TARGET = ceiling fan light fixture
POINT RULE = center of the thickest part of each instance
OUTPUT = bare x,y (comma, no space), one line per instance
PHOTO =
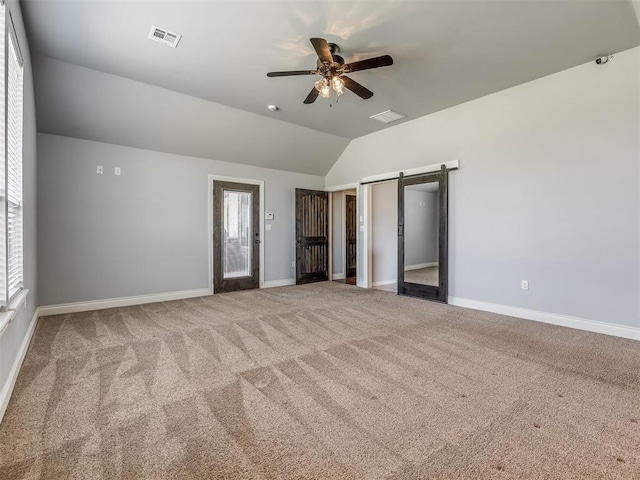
338,84
331,67
323,87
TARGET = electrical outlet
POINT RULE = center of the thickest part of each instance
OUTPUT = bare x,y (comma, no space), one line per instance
118,171
293,264
99,170
267,226
525,285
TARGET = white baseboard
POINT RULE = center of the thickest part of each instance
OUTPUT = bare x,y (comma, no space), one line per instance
418,266
383,282
632,333
121,302
337,276
5,395
285,282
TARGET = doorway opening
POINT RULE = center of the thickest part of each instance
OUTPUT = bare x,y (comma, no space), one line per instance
344,236
384,239
405,231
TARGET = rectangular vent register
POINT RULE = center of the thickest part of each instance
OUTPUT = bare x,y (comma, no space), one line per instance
165,37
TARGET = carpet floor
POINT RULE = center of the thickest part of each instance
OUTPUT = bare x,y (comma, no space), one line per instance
322,381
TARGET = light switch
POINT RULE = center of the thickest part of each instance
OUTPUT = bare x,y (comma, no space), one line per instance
361,219
267,226
269,216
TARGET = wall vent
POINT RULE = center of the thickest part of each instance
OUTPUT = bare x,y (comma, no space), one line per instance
387,116
164,37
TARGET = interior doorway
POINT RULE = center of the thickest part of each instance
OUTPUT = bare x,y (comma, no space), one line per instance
312,236
384,238
344,236
412,261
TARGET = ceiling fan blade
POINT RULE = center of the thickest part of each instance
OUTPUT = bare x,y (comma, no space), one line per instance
313,94
291,72
322,49
356,88
383,61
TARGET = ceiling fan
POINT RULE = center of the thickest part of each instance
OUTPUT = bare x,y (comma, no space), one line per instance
333,70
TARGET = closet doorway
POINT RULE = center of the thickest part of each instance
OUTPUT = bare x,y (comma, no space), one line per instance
344,236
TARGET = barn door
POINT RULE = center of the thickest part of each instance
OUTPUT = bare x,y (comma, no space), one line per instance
312,231
351,225
423,235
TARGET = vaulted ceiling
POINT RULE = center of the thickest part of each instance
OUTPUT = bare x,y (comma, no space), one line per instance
214,84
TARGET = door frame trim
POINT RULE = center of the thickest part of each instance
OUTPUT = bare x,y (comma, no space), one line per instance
212,178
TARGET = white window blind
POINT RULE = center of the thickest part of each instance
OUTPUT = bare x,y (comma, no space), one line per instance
14,168
3,190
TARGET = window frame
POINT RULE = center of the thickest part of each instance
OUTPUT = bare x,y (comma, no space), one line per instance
12,60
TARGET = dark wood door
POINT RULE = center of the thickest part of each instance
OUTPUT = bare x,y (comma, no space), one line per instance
312,231
351,226
407,284
236,236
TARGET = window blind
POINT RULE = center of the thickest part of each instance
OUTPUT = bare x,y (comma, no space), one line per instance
14,169
3,191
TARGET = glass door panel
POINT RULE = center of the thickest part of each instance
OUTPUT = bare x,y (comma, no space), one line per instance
237,234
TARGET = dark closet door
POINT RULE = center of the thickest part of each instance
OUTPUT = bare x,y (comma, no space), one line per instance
236,236
423,247
351,227
312,230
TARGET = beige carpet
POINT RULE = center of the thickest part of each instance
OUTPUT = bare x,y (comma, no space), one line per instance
320,381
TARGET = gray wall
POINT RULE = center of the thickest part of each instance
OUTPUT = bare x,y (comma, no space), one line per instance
420,228
146,231
547,190
384,228
14,335
80,102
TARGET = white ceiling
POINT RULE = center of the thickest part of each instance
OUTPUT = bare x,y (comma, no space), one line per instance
445,52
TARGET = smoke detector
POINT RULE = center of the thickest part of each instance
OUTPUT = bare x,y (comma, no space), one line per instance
164,37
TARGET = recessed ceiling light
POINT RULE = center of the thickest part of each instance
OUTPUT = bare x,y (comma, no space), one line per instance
272,108
387,116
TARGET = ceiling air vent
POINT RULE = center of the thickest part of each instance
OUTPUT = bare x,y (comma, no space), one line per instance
164,37
387,116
